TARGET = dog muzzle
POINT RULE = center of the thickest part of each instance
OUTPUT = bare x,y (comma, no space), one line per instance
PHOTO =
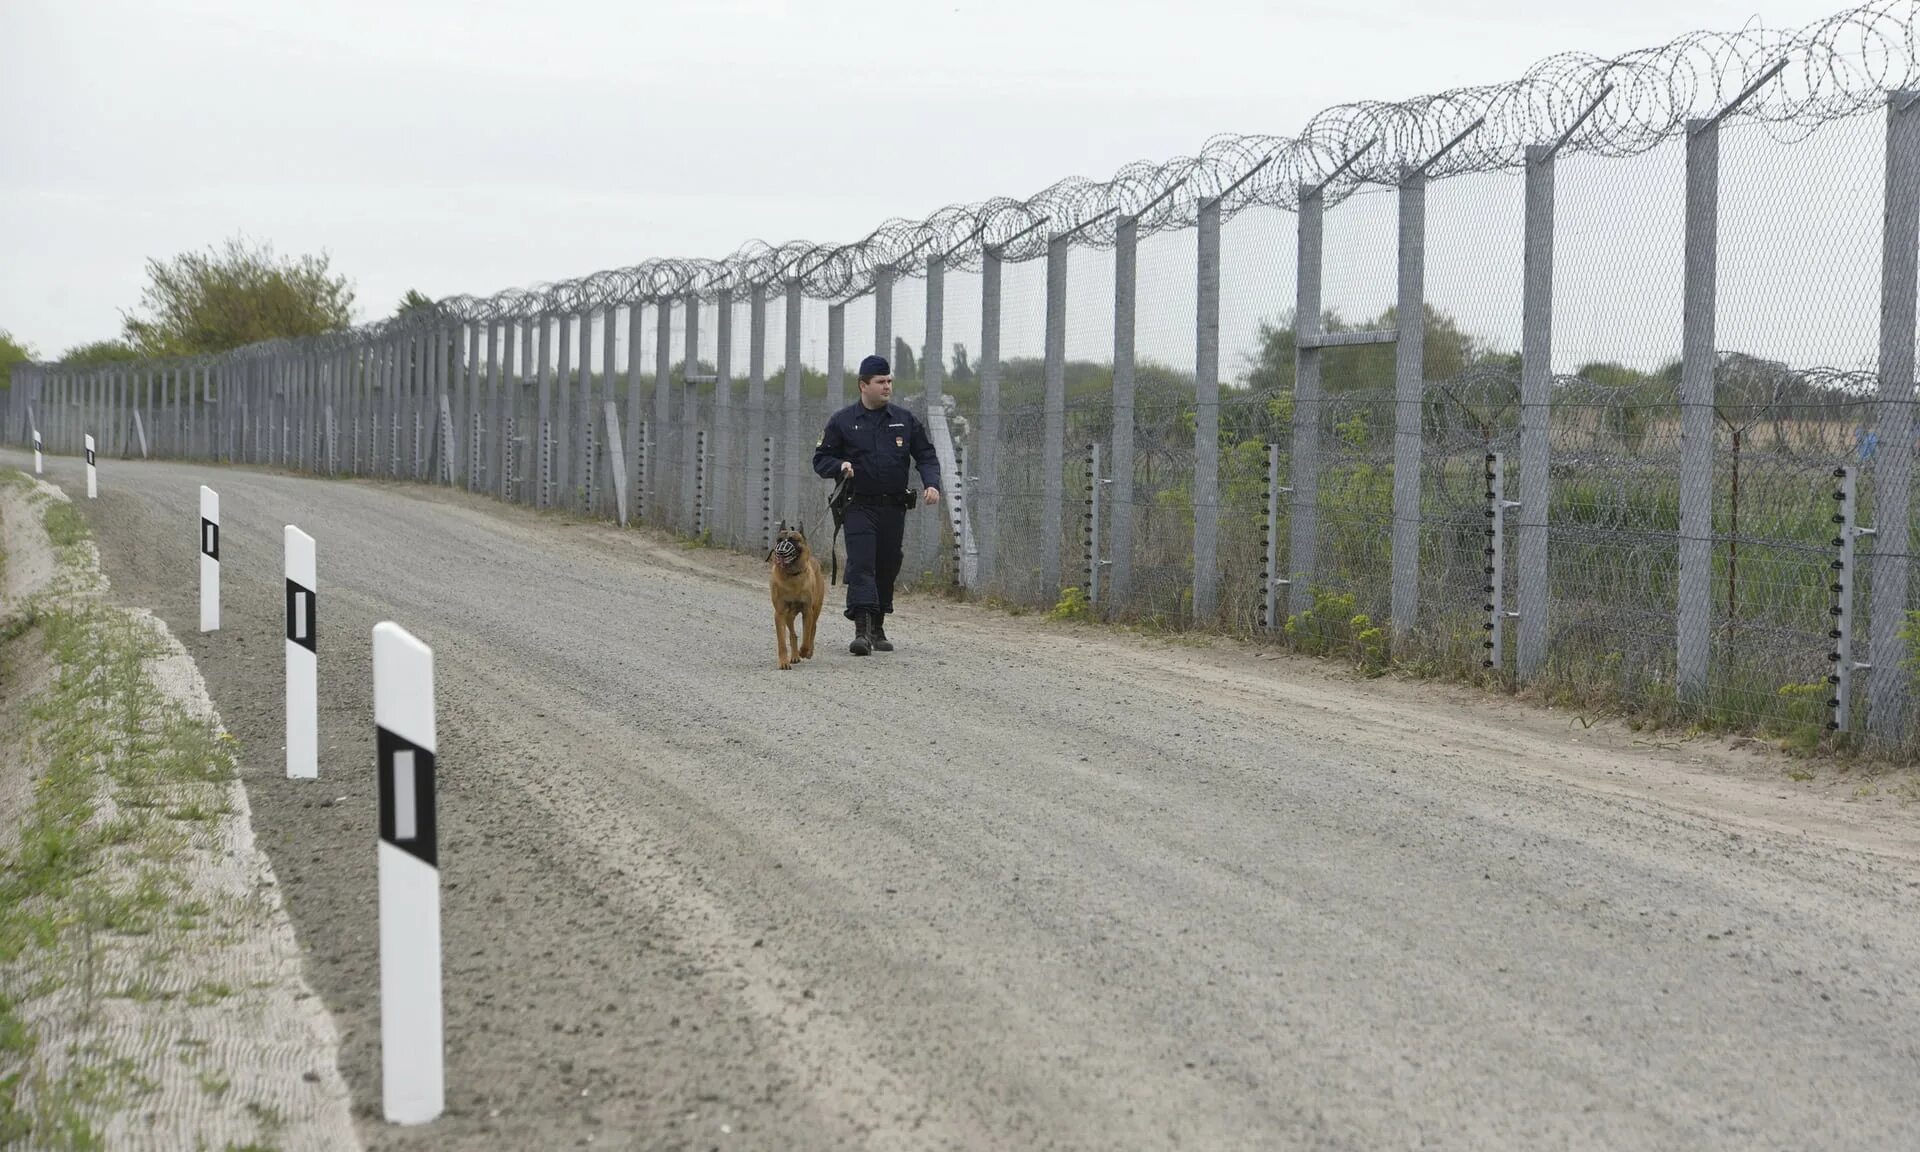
786,551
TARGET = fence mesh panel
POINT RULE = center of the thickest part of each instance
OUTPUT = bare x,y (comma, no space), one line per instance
1789,274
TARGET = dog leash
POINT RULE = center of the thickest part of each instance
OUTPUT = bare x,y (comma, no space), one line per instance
837,504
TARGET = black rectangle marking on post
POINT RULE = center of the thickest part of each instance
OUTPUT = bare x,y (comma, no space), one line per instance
406,797
301,617
209,539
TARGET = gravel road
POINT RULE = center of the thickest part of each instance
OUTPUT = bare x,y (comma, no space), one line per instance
1021,885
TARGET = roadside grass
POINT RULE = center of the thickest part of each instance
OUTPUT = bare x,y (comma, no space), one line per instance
123,781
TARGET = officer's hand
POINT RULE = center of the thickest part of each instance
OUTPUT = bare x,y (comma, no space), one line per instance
846,467
931,496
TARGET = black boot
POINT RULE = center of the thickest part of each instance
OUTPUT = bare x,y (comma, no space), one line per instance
880,641
862,633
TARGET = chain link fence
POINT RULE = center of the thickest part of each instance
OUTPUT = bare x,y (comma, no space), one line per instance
1597,383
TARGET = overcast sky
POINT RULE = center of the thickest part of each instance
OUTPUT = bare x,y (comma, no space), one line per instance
476,145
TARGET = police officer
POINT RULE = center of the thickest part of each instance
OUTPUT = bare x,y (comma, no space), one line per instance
876,442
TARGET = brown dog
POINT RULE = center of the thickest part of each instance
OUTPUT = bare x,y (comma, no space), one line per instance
798,589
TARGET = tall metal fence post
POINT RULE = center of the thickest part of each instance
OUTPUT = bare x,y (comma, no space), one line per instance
608,392
1206,418
1126,251
350,408
129,404
299,370
986,493
383,413
409,399
933,378
636,451
390,406
583,417
448,381
470,421
1532,527
689,409
544,469
387,409
310,385
366,415
1890,468
561,493
933,361
836,357
1303,539
318,395
1695,545
116,410
377,393
295,383
796,468
422,396
1054,423
660,454
424,401
437,410
513,423
496,418
723,505
532,436
756,408
883,315
242,383
1409,378
394,401
418,357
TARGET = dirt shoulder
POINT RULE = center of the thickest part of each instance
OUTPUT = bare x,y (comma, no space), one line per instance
151,995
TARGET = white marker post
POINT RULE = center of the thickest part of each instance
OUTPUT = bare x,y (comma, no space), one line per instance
209,559
412,1051
303,659
93,482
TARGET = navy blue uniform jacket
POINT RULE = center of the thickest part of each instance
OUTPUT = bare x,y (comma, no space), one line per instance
882,447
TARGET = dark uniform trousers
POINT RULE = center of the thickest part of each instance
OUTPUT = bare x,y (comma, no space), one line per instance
874,538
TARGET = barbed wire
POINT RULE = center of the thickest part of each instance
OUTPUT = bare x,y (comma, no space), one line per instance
1834,68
